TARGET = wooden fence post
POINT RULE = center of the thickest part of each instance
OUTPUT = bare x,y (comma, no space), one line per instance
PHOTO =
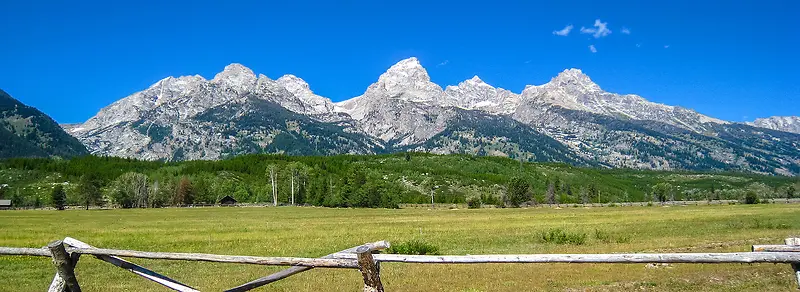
58,284
369,269
64,265
795,266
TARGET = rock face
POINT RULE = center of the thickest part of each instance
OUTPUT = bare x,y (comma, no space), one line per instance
789,124
569,119
27,132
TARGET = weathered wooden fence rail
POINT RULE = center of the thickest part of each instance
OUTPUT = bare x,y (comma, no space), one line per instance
66,253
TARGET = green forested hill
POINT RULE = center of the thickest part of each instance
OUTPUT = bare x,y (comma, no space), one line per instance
365,181
27,132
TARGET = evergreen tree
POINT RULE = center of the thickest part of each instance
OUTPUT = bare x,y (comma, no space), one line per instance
518,192
89,190
58,197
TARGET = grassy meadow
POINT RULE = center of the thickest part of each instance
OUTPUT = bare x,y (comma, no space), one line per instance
311,232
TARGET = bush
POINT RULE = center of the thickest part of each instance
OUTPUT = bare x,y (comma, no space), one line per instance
559,236
602,236
474,203
415,246
759,224
751,198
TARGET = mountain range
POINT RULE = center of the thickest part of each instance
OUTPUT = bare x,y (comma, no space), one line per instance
569,119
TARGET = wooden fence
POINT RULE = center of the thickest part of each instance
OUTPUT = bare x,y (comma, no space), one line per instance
66,253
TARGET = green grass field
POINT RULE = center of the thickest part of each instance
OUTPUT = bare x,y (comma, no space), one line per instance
312,232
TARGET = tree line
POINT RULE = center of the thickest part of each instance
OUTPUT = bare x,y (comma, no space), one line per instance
361,181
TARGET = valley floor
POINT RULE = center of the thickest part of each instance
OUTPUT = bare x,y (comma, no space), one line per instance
312,232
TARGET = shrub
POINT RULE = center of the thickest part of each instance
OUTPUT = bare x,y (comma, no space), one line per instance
751,198
759,224
474,203
559,236
415,246
602,236
623,239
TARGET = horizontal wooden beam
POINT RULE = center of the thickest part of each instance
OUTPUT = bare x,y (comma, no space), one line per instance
296,270
776,248
25,251
133,268
267,261
700,258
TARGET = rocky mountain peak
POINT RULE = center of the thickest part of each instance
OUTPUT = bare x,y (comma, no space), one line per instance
294,84
314,104
575,78
475,80
406,70
406,64
236,76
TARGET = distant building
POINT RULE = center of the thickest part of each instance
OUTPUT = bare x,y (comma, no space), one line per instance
227,201
5,204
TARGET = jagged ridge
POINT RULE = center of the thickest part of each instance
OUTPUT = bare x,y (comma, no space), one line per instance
404,110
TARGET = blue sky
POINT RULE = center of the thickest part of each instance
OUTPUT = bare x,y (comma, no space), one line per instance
735,60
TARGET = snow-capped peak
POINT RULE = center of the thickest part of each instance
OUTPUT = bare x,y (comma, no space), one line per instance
234,70
408,70
575,78
406,64
237,77
475,81
293,83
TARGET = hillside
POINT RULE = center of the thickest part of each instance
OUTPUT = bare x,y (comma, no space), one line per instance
27,132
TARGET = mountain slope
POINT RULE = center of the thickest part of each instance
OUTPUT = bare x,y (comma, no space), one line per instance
653,145
27,132
479,133
789,124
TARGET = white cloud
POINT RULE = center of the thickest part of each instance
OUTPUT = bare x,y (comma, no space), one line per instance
638,45
625,30
563,32
600,29
443,63
592,48
666,46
